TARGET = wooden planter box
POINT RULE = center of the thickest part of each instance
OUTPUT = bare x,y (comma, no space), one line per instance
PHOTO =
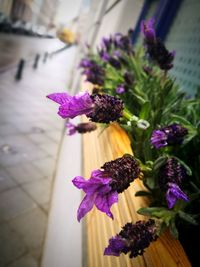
99,147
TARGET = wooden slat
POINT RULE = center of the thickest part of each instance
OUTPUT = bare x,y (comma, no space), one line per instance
165,252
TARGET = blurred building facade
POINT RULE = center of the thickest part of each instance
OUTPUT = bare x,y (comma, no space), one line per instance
40,12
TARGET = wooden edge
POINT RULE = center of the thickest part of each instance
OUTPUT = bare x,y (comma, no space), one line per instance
98,148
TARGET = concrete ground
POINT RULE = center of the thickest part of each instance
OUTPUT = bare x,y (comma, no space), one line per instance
30,137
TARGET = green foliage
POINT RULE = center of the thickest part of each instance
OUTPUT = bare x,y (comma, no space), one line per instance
156,100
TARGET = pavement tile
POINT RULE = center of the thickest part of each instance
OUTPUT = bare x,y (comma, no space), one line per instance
8,129
39,190
5,181
14,202
25,261
50,148
39,138
23,173
31,227
46,166
11,245
55,135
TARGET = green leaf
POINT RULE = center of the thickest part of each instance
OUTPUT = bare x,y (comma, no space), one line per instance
173,229
159,162
181,120
187,217
142,193
145,111
153,211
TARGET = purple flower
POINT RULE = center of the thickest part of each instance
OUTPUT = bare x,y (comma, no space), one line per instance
99,108
86,63
133,238
170,135
106,43
94,72
71,128
148,30
72,106
159,139
81,128
103,186
171,176
98,193
158,53
105,56
120,89
173,194
155,48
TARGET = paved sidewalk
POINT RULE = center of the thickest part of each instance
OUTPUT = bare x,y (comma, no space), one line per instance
30,135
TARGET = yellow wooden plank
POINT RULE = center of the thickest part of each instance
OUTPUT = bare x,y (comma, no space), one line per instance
166,251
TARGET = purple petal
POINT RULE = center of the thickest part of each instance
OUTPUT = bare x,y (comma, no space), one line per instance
79,182
120,89
116,244
60,98
85,206
76,105
158,139
147,29
173,194
104,202
71,128
94,184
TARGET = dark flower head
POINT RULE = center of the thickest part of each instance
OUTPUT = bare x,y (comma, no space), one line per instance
106,43
123,171
148,30
133,238
170,135
81,128
86,63
103,186
115,63
106,108
94,72
122,42
158,53
171,176
155,48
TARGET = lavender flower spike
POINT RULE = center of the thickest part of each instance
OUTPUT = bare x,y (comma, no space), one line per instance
171,176
148,30
99,108
84,127
103,186
133,238
170,135
72,106
173,194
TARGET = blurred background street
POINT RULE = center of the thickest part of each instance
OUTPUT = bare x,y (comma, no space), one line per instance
30,136
41,44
